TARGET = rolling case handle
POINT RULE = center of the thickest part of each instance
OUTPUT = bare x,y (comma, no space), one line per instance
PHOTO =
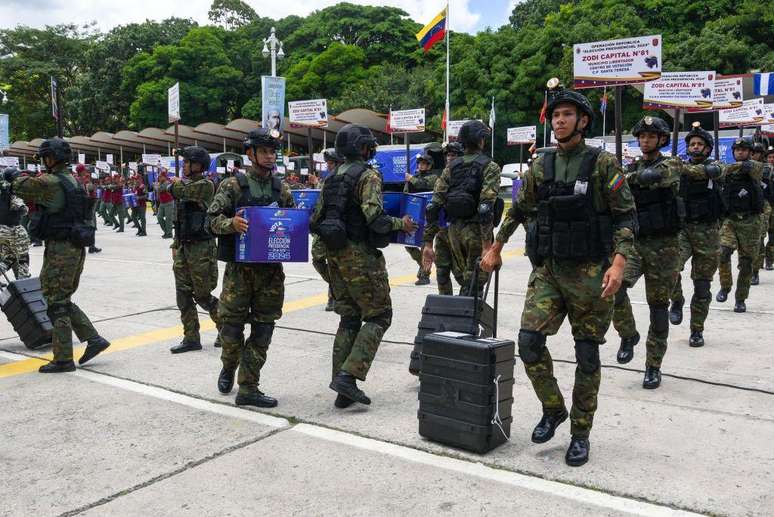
476,301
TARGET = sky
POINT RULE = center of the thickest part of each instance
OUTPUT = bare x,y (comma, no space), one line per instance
466,15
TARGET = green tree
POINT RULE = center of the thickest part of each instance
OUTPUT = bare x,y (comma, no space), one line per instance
231,13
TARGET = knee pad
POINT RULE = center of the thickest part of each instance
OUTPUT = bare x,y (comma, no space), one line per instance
620,296
725,253
587,355
531,346
701,289
261,333
383,319
443,275
232,332
185,300
659,319
350,323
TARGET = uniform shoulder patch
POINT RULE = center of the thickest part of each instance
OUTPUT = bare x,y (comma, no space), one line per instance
616,182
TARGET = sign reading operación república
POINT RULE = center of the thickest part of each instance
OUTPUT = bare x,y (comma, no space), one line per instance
522,135
683,90
312,113
408,121
617,62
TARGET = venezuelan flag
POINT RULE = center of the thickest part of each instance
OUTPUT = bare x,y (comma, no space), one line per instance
433,32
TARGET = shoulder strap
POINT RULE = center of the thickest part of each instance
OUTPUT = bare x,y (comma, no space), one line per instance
549,163
276,188
242,180
588,162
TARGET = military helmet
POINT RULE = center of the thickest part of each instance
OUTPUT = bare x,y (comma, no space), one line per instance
697,130
758,148
435,150
197,154
425,157
556,97
742,143
330,155
57,148
472,132
351,138
453,148
769,151
653,125
262,137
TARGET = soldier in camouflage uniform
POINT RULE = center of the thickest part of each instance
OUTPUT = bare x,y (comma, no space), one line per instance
319,254
467,191
84,178
194,254
757,155
350,220
64,226
580,217
700,237
769,252
741,229
423,181
655,184
252,293
14,240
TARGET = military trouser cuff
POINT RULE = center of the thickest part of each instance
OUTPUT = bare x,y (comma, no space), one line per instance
358,373
579,433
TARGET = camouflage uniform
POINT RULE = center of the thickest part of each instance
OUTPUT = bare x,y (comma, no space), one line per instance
466,237
62,265
14,241
195,263
560,288
252,293
358,276
657,257
740,231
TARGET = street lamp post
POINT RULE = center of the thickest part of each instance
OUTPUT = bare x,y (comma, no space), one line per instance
273,46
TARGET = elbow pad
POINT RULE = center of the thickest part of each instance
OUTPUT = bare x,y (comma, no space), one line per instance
712,170
486,213
649,176
432,212
382,224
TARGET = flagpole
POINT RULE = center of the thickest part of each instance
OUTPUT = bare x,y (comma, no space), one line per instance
447,107
545,121
494,121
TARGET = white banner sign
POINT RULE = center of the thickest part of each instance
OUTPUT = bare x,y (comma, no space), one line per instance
102,165
728,93
522,135
680,90
9,161
309,113
173,103
768,114
617,62
408,121
109,158
133,166
151,159
750,113
81,157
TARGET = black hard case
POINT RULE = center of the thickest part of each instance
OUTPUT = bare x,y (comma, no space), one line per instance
25,307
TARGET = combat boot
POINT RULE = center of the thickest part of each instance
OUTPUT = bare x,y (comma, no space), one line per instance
94,249
546,428
769,265
185,346
696,340
342,402
755,280
652,378
626,350
722,295
226,380
423,277
577,452
94,347
57,367
676,312
345,384
255,398
740,306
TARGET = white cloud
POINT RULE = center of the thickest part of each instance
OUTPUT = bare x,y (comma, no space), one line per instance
37,13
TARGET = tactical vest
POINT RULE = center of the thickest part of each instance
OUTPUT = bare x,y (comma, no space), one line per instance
742,194
191,222
465,185
567,225
423,185
72,223
658,210
227,243
8,217
342,218
703,203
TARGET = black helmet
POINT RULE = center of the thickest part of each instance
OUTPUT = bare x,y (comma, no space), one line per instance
453,148
653,125
696,130
197,154
351,138
425,157
556,97
742,143
472,132
262,137
57,148
330,155
758,148
435,150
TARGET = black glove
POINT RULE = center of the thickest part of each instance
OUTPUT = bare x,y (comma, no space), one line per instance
649,176
712,170
10,174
